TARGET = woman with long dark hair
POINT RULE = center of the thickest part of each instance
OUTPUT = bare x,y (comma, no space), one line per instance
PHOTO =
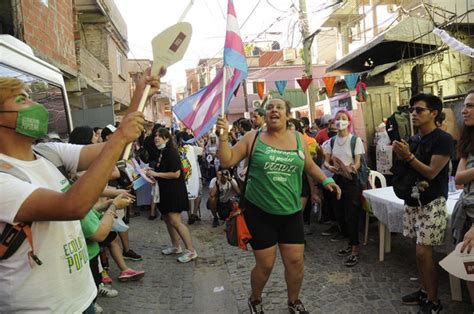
173,195
465,176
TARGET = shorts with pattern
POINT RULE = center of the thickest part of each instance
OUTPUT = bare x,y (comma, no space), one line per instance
427,223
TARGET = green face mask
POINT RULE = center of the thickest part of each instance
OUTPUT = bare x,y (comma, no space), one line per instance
31,121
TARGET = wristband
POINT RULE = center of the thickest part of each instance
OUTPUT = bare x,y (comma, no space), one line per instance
328,181
410,159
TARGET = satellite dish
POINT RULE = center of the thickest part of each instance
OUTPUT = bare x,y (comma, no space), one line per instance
256,104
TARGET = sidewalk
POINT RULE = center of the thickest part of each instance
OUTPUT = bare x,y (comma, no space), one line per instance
329,286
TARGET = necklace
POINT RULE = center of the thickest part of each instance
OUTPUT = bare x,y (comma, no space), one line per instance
343,143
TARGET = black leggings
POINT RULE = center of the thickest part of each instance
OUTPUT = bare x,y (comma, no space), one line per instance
347,209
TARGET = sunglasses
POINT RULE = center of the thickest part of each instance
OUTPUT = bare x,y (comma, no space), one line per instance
418,109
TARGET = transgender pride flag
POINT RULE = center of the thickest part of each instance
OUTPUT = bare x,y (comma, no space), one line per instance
199,111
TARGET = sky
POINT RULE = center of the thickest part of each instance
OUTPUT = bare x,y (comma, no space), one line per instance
259,20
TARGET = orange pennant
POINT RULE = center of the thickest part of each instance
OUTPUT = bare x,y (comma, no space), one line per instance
329,83
260,89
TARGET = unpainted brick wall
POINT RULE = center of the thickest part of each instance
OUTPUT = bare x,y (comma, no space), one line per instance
49,30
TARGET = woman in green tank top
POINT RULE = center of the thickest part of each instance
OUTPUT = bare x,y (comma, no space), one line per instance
273,206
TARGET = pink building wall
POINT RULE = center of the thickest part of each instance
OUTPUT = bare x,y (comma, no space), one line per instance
270,75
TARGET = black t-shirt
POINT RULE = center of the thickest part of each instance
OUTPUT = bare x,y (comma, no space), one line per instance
437,142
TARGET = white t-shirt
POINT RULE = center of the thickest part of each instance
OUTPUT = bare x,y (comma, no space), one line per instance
225,190
342,148
63,283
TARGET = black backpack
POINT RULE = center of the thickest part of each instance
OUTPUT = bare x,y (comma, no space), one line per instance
404,176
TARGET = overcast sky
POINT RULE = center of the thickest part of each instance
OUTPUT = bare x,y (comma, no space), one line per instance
147,18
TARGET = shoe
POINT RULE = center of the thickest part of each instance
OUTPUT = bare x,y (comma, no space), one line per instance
131,275
105,291
187,256
197,218
152,217
191,220
352,260
98,308
429,307
131,255
255,307
106,279
215,223
135,214
338,237
345,251
297,307
172,250
415,298
331,231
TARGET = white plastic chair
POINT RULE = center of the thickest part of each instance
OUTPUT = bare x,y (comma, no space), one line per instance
373,175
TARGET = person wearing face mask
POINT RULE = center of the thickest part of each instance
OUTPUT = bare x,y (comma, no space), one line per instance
173,196
51,273
347,210
278,157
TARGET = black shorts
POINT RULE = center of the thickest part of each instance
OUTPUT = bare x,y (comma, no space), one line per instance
110,237
267,230
305,188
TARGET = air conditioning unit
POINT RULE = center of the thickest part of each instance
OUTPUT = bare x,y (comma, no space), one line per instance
256,104
289,54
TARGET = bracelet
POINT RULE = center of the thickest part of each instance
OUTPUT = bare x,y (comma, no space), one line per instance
328,181
410,159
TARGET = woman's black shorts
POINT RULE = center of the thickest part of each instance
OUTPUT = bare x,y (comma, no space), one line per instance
267,229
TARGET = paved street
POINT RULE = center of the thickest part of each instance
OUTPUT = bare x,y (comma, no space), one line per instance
329,287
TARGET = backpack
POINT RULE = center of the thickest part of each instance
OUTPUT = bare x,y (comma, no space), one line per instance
398,126
363,171
13,236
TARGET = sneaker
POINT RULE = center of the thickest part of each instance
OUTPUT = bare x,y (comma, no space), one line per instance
187,256
131,255
297,307
338,237
345,251
352,260
429,307
215,223
331,231
106,279
172,250
131,275
415,298
255,307
105,291
191,220
98,308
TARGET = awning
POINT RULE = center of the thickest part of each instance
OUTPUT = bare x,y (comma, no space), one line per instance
382,68
410,38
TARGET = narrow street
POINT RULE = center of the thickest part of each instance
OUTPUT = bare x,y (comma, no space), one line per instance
329,286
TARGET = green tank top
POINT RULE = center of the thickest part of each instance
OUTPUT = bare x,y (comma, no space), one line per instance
274,182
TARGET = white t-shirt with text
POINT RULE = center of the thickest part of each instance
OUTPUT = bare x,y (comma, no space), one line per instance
63,283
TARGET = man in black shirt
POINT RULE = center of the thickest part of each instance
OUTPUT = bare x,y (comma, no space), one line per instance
426,213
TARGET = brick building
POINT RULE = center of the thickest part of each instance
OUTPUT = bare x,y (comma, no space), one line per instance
86,40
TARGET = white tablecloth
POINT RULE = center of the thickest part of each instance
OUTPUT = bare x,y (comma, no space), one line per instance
388,209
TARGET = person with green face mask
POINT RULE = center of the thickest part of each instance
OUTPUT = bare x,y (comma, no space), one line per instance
32,190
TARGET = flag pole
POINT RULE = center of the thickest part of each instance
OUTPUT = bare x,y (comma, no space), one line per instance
224,79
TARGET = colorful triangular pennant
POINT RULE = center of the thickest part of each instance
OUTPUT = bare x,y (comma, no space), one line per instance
351,80
304,83
260,89
329,83
281,85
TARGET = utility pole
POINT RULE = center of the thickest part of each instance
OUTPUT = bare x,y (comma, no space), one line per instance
308,64
246,99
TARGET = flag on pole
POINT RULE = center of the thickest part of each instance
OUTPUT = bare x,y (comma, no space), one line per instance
199,111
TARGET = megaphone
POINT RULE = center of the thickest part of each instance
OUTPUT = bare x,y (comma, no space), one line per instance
256,104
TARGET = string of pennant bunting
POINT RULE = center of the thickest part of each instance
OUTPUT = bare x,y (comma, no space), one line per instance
351,80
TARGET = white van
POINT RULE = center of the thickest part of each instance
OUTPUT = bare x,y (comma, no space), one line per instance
45,82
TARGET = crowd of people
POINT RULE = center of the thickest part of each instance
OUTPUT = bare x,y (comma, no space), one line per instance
71,203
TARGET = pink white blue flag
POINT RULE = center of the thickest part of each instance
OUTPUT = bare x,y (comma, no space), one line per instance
200,111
